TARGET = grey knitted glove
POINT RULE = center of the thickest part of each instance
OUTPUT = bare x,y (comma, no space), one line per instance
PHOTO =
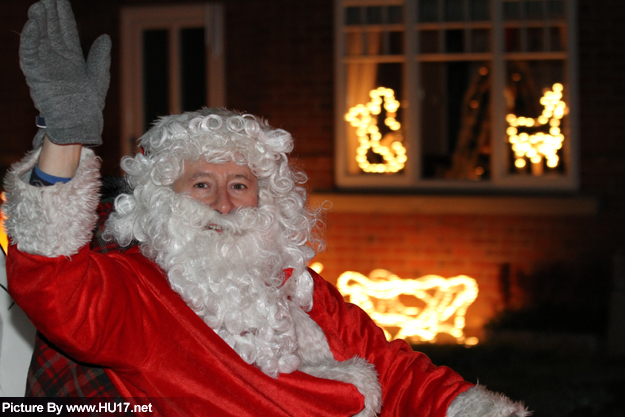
68,92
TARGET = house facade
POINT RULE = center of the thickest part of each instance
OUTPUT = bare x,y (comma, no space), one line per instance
527,244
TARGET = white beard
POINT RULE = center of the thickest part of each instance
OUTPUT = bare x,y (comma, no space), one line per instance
234,278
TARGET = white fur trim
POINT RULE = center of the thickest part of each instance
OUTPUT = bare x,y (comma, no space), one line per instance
355,371
480,402
318,361
55,220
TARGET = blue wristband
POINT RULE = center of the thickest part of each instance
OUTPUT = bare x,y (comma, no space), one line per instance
50,179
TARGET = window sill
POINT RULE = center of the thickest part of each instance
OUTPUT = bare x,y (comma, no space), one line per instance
575,206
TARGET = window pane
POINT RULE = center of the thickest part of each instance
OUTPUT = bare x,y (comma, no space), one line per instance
155,75
454,41
455,127
428,41
480,40
192,68
534,10
374,15
536,130
354,43
556,37
352,16
511,10
454,10
374,43
535,38
555,9
480,10
395,14
512,41
373,118
396,43
428,11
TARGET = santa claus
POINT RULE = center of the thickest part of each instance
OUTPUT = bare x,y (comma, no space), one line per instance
213,312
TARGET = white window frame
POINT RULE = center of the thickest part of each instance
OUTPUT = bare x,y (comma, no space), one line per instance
134,21
410,177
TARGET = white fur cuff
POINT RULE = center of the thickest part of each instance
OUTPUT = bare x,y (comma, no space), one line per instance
480,402
55,220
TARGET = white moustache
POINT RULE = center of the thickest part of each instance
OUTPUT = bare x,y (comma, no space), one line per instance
240,221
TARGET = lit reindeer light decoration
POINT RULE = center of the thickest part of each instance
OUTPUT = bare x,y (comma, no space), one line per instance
538,145
446,302
364,117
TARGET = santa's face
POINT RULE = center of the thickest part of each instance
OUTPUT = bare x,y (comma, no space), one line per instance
223,187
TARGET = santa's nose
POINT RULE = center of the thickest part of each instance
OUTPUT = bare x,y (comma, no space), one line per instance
223,203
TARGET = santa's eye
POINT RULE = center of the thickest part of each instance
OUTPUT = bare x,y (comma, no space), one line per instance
239,186
200,185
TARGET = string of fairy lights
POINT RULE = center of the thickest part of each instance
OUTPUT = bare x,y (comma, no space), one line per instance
536,146
446,301
364,117
527,146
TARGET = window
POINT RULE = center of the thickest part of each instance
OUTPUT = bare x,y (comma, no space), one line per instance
172,61
460,94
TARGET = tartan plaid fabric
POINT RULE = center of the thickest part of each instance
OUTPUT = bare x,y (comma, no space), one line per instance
53,373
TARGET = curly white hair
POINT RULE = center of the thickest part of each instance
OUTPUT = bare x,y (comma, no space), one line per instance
219,136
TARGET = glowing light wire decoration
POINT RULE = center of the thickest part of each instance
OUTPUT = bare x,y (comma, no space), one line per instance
539,145
364,117
446,302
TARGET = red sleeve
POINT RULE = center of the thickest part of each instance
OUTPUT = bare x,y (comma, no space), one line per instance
117,310
411,384
79,302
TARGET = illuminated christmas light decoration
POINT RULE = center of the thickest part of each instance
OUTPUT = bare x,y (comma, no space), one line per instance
537,146
364,118
446,302
4,240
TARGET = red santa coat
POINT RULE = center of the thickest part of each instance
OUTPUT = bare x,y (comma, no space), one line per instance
118,311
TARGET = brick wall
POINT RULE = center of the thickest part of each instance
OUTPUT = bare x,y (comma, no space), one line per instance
280,66
486,248
602,101
16,113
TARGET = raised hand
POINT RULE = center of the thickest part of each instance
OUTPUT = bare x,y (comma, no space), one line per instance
68,91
